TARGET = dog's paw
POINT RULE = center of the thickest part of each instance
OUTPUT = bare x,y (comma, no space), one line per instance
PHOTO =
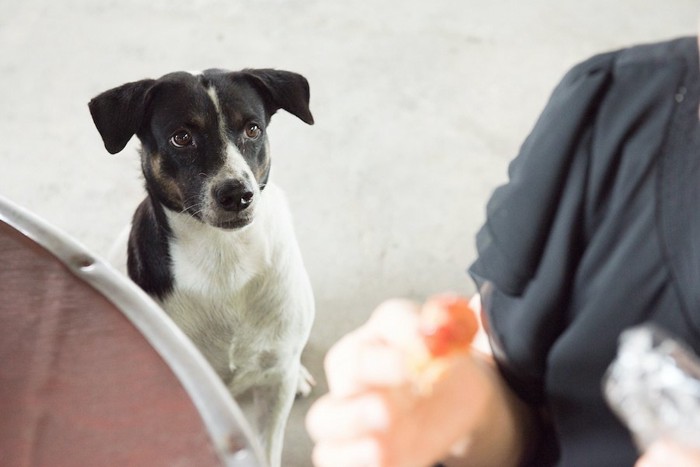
306,383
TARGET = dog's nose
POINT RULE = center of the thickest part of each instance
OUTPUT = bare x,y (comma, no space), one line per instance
233,195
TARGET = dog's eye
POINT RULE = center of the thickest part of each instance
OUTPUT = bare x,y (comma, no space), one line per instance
253,131
181,139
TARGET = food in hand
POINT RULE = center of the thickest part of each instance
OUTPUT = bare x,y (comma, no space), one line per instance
447,326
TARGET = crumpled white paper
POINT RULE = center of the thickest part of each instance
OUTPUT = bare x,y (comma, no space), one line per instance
653,385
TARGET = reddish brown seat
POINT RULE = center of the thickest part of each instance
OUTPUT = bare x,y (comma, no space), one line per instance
92,373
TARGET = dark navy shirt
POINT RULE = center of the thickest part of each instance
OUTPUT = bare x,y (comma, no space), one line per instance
597,230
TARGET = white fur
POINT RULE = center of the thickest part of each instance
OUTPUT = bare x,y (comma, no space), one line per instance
244,298
224,274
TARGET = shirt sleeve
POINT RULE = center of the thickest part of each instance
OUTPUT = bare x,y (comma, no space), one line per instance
532,238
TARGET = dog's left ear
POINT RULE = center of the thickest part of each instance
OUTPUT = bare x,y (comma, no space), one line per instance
118,113
283,90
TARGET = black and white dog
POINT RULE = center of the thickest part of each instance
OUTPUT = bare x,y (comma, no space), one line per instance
213,241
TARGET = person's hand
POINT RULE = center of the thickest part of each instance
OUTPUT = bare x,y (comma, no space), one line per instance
375,416
665,453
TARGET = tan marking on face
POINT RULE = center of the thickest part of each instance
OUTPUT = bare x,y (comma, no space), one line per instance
167,184
198,121
263,168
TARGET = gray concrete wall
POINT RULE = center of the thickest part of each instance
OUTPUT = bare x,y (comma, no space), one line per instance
419,107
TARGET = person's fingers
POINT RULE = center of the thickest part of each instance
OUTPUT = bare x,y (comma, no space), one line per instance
373,412
379,365
373,355
340,365
394,322
408,428
357,362
332,418
364,452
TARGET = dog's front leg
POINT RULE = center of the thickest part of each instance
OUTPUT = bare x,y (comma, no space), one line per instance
306,382
272,404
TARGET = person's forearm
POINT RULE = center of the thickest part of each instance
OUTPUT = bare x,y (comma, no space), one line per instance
505,430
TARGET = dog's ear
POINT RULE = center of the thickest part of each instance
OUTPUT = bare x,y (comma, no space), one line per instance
118,113
283,90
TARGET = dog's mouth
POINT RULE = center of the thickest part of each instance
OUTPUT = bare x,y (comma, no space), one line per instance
221,220
233,224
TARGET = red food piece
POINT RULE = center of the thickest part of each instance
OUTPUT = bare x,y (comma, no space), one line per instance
447,324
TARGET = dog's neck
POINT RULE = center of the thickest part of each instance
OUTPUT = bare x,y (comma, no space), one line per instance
204,256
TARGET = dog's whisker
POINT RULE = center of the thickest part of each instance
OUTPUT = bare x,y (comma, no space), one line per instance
193,206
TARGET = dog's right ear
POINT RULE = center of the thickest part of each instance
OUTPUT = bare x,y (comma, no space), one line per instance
283,90
118,113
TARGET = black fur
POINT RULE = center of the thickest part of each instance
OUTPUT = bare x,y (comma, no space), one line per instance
148,253
283,90
118,113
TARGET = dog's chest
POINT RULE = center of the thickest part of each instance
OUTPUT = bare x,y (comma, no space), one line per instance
226,298
216,264
238,337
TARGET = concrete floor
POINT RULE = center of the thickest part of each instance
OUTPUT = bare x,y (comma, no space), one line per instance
419,107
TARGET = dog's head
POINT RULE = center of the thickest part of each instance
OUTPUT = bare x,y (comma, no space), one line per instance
203,137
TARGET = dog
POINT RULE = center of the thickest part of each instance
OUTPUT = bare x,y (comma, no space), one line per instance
213,241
